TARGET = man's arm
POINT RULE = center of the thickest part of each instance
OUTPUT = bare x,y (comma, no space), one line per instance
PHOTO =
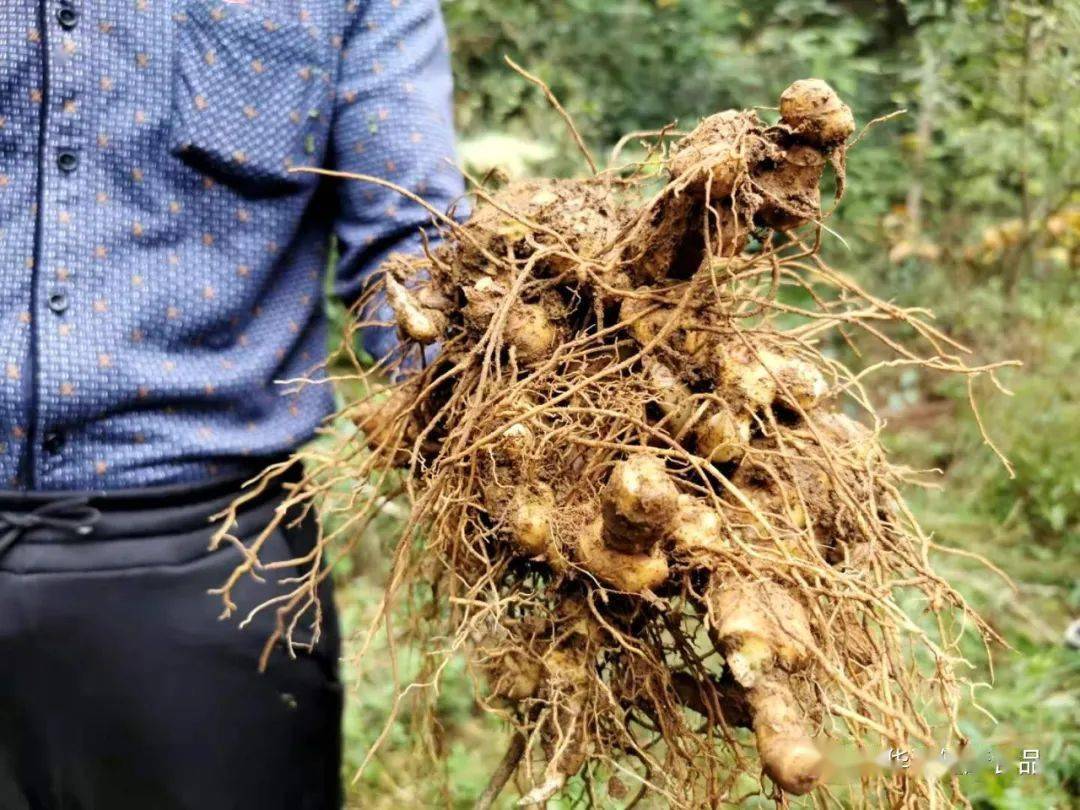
393,120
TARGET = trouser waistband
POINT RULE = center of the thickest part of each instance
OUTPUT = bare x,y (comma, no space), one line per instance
130,513
64,531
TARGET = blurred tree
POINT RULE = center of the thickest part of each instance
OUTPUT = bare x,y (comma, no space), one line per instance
972,175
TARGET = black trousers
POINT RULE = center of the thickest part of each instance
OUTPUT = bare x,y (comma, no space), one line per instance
119,686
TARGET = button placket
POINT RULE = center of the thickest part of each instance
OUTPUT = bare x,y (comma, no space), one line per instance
60,238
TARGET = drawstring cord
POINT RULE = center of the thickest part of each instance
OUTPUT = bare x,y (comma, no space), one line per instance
71,516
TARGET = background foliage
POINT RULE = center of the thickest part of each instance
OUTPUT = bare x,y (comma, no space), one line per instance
967,204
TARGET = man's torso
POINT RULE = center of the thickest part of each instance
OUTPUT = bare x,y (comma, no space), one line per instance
160,267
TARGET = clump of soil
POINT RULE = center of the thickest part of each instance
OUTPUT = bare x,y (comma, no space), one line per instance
643,499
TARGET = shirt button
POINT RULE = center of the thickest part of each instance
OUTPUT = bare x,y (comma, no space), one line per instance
67,161
58,303
67,16
53,441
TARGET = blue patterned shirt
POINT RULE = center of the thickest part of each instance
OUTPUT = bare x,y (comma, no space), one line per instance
161,270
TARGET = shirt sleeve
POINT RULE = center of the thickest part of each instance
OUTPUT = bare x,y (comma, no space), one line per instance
393,119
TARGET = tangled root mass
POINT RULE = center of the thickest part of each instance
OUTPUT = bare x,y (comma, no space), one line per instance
648,505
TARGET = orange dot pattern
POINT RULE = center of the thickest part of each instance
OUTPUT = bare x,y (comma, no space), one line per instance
162,262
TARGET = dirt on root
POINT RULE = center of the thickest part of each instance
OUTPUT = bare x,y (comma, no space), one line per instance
649,507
